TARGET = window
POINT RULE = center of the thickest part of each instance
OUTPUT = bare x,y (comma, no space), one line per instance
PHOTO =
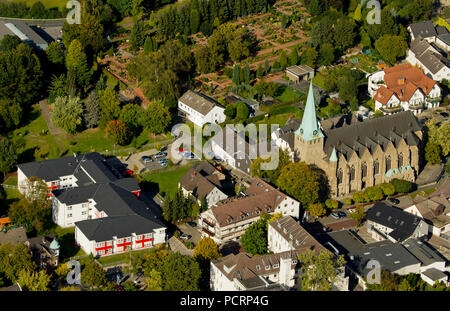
258,267
84,205
352,173
339,176
388,163
364,169
276,265
376,167
400,160
69,208
83,213
69,215
267,267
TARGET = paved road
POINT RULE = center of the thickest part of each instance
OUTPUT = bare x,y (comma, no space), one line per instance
193,231
177,246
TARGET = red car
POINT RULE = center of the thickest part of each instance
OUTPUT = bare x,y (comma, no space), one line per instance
128,173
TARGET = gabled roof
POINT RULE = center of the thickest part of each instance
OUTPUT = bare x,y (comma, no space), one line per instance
423,29
201,179
405,79
199,102
402,223
423,252
383,95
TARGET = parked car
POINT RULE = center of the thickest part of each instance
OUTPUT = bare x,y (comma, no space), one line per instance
342,214
188,155
160,154
394,201
351,210
444,114
146,159
335,215
185,236
127,173
192,224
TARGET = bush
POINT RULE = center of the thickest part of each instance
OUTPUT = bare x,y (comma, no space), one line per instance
374,193
360,197
402,186
348,201
317,209
387,188
332,204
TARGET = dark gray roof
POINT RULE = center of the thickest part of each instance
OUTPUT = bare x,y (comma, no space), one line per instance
199,102
423,29
128,183
441,30
23,31
76,195
403,224
52,169
373,132
392,256
98,170
445,38
104,229
434,274
423,251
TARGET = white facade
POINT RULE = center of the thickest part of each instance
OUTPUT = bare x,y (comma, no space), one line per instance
433,229
120,245
420,231
66,215
444,73
215,115
214,196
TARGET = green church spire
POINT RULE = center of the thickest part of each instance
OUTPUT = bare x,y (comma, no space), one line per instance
333,157
310,129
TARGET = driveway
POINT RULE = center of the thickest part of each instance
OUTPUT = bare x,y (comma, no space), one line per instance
193,231
135,161
177,246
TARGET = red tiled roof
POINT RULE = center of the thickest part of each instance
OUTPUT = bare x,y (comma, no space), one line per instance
383,95
413,77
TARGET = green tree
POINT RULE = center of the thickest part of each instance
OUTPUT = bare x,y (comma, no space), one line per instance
388,282
259,71
360,197
300,181
137,36
206,250
78,72
148,47
439,134
55,53
359,215
283,59
374,193
91,110
156,118
293,57
10,114
194,21
154,282
391,48
433,153
131,114
93,275
254,240
236,74
320,271
230,111
119,132
387,188
332,204
8,155
242,111
9,42
13,260
357,15
326,54
58,88
33,281
317,209
402,186
33,211
266,66
67,113
109,106
309,56
180,273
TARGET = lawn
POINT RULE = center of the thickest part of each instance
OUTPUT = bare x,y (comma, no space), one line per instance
165,181
35,143
48,3
66,239
423,193
122,258
289,95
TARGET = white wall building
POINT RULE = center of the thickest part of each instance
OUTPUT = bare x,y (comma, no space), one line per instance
200,108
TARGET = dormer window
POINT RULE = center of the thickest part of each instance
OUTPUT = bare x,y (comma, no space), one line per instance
276,266
267,267
294,262
258,267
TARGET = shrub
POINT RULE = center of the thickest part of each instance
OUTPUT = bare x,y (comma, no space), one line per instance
317,209
332,204
348,201
402,186
360,197
374,193
387,188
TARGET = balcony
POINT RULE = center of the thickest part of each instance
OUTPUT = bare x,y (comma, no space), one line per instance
416,107
434,99
208,232
389,110
209,223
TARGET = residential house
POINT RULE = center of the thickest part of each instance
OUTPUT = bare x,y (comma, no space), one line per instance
204,181
434,209
45,251
233,98
443,39
386,222
403,87
299,73
234,148
425,30
229,219
280,269
422,54
200,108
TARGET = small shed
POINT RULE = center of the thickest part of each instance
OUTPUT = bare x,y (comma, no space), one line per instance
299,73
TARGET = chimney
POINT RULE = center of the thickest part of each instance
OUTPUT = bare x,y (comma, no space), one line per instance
401,80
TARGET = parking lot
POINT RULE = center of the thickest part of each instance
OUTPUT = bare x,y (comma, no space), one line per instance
135,161
192,231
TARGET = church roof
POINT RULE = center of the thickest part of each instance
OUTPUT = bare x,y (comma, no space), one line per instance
310,129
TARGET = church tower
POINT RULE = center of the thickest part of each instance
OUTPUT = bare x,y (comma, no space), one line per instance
309,137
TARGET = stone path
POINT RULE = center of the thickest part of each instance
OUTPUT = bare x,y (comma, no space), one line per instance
177,246
46,114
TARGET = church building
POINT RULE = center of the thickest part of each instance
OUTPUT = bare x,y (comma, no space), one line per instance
359,154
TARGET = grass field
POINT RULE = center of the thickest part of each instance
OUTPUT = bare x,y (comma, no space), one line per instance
48,3
165,181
